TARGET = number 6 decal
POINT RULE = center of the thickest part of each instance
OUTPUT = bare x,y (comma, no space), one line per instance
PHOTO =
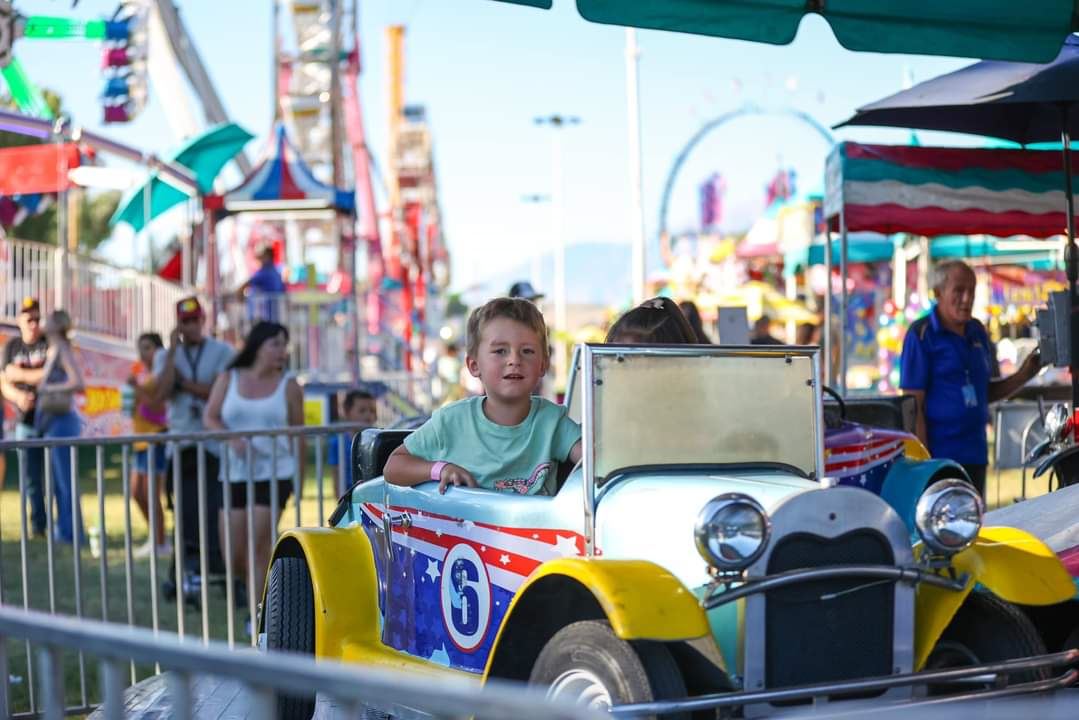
466,597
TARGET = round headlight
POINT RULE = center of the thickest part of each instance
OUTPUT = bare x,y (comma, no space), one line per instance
731,531
948,516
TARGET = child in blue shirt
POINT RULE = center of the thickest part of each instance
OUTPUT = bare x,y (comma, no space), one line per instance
506,439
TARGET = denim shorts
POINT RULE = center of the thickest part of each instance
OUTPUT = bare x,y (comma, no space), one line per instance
160,462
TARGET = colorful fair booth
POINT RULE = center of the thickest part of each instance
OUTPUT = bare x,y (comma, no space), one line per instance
310,226
931,192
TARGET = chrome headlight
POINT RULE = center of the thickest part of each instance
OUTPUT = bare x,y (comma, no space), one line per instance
731,531
949,516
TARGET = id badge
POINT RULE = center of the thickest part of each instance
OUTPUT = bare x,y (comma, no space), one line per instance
970,398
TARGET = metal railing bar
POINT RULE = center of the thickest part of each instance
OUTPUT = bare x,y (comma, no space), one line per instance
275,495
179,689
226,550
103,534
177,538
316,431
249,531
5,679
52,686
129,560
204,570
319,479
153,521
297,477
291,673
76,547
24,558
112,688
50,547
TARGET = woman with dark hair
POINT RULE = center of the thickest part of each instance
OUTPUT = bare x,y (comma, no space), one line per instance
693,317
257,393
654,321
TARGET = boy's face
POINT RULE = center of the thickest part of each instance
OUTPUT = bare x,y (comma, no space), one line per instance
362,411
510,361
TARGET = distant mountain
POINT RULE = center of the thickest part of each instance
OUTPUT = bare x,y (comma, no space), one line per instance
596,274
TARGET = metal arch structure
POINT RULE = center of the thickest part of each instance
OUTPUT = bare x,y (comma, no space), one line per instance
708,127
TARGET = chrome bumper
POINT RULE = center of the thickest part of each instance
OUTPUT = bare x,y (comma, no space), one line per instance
997,672
720,594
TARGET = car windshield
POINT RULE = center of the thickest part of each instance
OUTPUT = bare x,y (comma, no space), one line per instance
678,405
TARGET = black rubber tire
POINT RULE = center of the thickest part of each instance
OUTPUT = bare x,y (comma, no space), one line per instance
638,671
990,630
290,624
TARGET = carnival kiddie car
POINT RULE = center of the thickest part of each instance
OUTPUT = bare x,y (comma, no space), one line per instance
692,561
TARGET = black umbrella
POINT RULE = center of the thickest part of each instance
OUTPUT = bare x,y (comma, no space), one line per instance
1023,102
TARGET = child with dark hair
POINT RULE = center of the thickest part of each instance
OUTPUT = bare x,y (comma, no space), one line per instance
655,321
506,439
693,317
358,407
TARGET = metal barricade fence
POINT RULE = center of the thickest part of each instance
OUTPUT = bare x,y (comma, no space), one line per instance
137,591
264,678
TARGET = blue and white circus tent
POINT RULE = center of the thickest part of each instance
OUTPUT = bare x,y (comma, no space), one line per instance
282,181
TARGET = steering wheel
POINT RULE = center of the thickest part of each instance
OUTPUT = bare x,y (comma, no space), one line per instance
839,400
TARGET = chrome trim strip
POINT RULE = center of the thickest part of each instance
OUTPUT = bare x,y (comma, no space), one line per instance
718,700
791,577
588,455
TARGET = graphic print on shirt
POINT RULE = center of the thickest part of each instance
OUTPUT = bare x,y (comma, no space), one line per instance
523,486
449,582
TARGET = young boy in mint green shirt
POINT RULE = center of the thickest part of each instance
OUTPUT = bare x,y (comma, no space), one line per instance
507,439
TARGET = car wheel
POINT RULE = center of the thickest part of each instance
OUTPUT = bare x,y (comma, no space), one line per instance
985,630
585,663
290,624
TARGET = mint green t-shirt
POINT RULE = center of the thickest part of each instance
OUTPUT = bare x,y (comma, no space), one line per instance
510,458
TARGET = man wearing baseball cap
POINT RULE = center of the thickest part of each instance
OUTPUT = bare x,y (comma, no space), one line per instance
22,368
183,376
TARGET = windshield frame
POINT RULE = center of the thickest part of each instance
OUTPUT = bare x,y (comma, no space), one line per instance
583,368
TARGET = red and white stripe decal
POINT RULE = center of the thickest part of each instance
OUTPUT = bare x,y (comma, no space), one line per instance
510,554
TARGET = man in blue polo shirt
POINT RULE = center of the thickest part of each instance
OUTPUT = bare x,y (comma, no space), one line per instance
946,365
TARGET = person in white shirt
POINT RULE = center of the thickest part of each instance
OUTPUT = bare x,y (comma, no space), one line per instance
257,393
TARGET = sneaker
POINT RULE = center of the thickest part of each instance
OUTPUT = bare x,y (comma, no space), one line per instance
143,551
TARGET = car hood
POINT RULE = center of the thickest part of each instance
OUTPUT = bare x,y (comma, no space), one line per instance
651,516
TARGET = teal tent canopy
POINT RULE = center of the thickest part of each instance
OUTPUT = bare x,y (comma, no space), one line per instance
203,155
1029,31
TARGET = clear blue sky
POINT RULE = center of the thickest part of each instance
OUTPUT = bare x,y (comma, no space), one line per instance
485,69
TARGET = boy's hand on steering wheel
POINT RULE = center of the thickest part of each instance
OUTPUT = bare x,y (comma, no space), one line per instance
454,475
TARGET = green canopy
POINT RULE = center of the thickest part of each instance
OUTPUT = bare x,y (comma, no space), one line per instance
203,155
1030,31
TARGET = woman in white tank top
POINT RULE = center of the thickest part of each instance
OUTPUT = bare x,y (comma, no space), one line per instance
257,393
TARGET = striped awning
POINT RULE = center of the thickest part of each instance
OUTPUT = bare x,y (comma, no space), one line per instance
282,181
945,191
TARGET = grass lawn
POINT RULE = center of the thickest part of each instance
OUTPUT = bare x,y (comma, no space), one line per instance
80,684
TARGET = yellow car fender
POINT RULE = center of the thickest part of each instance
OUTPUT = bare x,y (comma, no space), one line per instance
342,568
1011,563
913,449
640,599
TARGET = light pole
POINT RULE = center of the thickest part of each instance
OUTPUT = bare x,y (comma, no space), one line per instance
534,261
557,123
636,216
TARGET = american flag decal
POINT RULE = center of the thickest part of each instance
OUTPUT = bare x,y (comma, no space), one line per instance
449,581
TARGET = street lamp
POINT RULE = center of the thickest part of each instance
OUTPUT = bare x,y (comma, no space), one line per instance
557,123
534,261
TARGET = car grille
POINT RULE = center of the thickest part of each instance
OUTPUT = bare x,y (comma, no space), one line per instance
829,630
